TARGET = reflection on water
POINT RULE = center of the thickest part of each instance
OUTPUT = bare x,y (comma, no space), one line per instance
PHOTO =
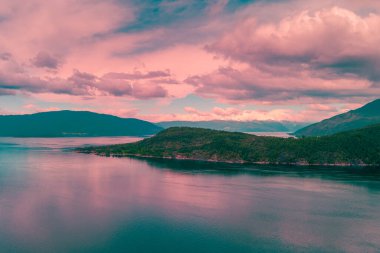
61,143
67,202
362,176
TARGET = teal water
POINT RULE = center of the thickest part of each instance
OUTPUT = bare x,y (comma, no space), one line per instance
54,200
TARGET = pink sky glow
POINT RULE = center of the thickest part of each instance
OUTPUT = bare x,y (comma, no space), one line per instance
223,59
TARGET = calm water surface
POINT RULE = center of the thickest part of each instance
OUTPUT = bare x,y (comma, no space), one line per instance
54,200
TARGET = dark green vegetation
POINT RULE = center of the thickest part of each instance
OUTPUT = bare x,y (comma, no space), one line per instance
357,147
238,126
355,119
73,123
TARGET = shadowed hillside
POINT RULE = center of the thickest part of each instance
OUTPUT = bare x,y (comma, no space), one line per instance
73,123
364,116
357,147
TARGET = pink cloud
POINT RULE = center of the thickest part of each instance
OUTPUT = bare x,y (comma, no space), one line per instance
319,53
7,92
308,38
16,78
323,107
138,75
55,26
196,112
239,114
32,108
114,105
253,85
57,31
45,60
42,58
300,57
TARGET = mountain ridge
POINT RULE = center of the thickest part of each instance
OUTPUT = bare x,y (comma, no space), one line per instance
238,126
366,115
68,123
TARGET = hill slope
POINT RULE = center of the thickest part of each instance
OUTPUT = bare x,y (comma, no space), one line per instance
238,126
73,123
364,116
349,148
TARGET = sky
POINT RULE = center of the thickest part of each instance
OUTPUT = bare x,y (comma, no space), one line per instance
162,60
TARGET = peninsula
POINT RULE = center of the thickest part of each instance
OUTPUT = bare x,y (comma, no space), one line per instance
357,147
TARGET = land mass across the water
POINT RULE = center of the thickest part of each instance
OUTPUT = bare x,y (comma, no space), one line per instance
366,115
240,126
73,124
352,148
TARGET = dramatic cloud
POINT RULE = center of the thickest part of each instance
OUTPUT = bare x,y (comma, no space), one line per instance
86,84
328,53
151,58
253,85
84,36
312,113
333,38
121,84
45,60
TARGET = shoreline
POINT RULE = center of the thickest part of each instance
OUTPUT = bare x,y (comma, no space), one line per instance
242,162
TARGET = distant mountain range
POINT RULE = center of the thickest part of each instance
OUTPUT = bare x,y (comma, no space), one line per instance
352,138
355,147
73,123
367,115
238,126
88,124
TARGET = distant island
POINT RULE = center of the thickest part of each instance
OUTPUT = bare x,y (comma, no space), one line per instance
239,126
73,124
357,147
367,115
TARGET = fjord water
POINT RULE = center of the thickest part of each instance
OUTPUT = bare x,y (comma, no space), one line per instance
55,200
